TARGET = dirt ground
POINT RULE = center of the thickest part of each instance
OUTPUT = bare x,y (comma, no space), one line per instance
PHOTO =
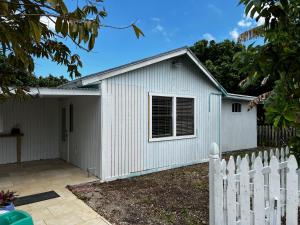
177,196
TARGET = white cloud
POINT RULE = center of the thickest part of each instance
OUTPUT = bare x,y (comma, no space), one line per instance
48,22
158,28
208,37
234,34
245,23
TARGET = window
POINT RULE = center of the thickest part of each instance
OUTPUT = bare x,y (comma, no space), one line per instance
162,117
184,116
171,117
236,107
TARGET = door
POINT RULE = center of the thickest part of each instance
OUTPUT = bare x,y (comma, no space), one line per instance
64,150
215,118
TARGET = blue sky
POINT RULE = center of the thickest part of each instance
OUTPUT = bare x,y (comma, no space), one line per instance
167,24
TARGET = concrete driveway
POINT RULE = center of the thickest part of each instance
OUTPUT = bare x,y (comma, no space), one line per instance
50,175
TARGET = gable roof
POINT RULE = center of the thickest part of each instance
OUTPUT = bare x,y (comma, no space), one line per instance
93,78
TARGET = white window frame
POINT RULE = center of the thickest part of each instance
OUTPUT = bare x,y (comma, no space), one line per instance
174,137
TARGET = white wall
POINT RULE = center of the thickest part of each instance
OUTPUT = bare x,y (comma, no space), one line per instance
38,119
126,149
85,139
239,130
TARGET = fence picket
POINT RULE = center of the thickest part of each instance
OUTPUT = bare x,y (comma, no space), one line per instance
231,193
287,152
292,192
282,180
224,189
266,158
252,160
245,192
277,153
274,192
268,135
258,203
260,196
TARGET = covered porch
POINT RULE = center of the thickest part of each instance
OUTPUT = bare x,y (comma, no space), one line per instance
50,175
54,124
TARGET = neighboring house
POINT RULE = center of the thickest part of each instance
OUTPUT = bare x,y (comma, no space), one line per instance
157,113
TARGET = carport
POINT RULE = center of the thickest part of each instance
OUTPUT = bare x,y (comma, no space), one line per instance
54,123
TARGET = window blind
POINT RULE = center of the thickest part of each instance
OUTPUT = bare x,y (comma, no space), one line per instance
162,117
184,116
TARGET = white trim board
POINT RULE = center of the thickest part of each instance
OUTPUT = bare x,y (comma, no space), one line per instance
56,92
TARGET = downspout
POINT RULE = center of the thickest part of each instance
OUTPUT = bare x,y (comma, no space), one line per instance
219,115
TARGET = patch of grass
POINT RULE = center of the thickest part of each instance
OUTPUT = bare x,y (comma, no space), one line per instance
147,200
168,217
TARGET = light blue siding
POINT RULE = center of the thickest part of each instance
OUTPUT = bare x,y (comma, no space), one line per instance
126,148
239,130
85,140
38,120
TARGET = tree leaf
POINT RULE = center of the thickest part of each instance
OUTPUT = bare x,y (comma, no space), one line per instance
91,42
137,31
58,24
276,121
35,30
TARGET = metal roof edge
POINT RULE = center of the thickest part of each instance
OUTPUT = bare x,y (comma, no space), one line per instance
239,97
185,48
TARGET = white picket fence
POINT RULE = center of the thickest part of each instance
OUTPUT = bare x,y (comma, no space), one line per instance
257,190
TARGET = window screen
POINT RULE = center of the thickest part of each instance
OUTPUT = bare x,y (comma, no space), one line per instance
162,116
184,116
236,107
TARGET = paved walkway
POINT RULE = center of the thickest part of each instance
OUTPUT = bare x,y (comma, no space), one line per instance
47,175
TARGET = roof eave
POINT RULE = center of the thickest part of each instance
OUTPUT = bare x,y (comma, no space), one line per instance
239,97
58,92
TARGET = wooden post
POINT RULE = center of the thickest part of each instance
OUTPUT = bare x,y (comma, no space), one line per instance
215,187
18,137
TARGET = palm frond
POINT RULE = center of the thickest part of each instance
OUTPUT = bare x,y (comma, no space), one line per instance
259,100
251,34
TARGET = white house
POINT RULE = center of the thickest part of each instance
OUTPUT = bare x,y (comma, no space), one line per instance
157,113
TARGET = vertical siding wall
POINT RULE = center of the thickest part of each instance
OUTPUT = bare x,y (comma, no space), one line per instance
38,120
127,150
239,130
85,139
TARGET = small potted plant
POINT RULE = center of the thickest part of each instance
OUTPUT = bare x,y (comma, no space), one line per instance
7,200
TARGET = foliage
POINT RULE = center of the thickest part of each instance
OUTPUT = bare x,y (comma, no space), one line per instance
24,35
20,80
278,59
7,197
219,60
